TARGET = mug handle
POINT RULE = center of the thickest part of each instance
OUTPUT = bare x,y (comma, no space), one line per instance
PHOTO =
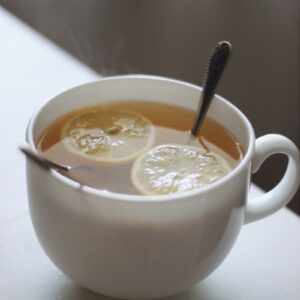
271,201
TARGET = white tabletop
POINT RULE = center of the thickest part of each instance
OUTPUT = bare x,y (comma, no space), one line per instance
264,263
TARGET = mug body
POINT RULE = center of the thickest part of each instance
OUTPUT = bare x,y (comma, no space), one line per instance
131,246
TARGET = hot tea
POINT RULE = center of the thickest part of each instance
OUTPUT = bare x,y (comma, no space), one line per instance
138,147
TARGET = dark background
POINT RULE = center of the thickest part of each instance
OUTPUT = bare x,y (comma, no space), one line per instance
174,38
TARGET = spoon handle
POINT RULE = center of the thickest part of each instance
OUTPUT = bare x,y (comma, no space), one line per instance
216,65
42,161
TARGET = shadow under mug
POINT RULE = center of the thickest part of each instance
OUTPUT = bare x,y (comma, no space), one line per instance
144,247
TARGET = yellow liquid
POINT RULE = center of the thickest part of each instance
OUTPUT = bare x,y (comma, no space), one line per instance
172,126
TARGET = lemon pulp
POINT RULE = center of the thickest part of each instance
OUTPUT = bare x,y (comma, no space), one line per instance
169,169
108,135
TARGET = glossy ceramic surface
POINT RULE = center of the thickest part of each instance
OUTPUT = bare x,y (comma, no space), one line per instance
144,247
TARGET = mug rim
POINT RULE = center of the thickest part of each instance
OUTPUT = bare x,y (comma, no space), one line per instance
147,198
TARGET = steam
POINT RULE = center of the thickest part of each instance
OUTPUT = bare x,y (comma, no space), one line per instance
55,20
112,62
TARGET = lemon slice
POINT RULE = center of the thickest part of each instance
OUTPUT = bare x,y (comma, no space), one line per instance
108,135
169,169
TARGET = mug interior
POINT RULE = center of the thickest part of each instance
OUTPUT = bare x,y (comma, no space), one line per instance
143,88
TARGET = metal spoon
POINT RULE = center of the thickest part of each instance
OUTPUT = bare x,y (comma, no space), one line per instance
42,161
47,164
215,68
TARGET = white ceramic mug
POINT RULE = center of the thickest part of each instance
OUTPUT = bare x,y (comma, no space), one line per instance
143,247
